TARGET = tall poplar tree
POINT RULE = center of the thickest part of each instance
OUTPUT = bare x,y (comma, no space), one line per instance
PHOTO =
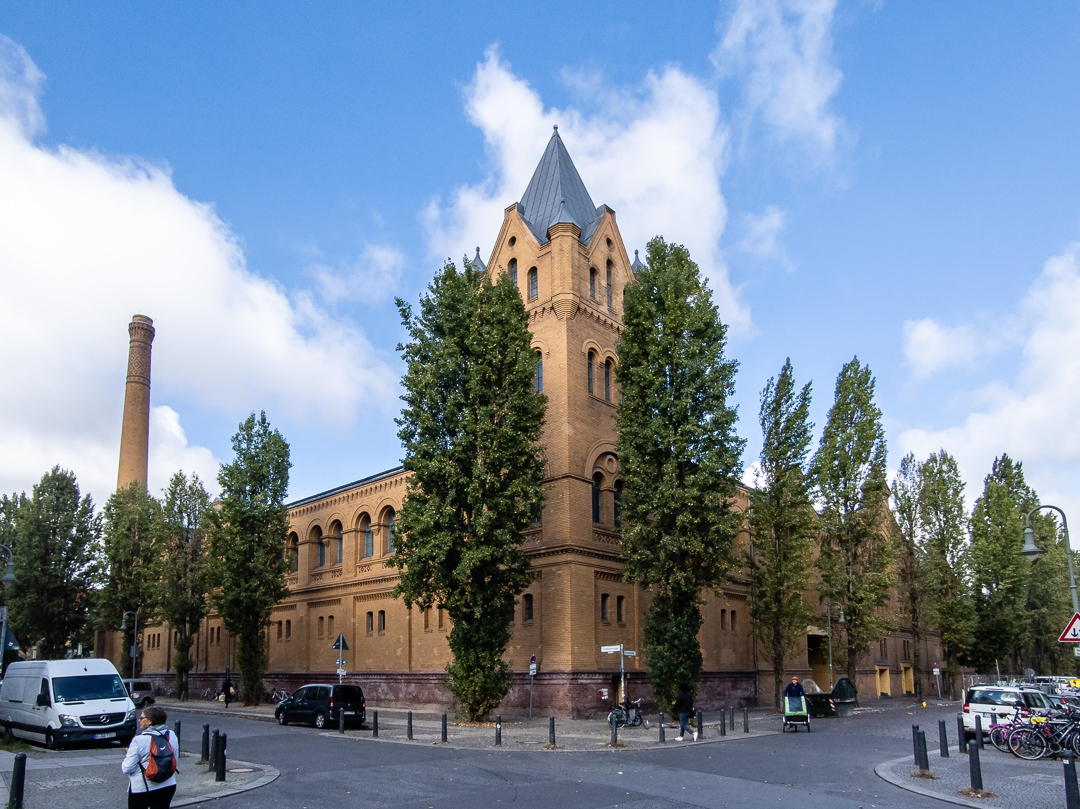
180,539
679,456
857,546
245,569
783,523
905,493
129,558
57,554
471,429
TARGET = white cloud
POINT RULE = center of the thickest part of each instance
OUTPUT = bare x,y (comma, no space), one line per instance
86,241
170,452
930,347
761,235
372,278
654,153
1035,418
782,50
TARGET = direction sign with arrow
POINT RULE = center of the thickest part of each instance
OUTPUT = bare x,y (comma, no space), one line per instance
1072,631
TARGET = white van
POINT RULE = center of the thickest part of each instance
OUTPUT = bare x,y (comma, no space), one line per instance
62,701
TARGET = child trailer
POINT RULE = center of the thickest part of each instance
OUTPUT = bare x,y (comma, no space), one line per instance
796,713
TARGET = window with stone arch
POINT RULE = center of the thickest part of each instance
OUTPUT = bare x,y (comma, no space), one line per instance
512,269
389,530
534,284
294,552
597,497
320,546
339,540
604,607
538,377
607,380
592,365
592,282
610,264
382,621
368,534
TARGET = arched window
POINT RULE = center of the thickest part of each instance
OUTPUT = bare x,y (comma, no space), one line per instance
279,630
288,630
618,609
330,625
592,282
321,625
294,551
723,619
369,537
609,284
617,512
603,606
597,511
382,621
339,542
534,287
607,381
320,548
538,377
390,530
512,269
370,624
733,627
528,608
592,362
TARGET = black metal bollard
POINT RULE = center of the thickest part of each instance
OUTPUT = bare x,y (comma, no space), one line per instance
973,765
745,719
215,741
700,724
18,781
341,721
943,738
924,755
731,714
551,730
962,733
374,724
978,732
614,730
915,743
723,721
663,735
219,775
1072,792
498,730
444,728
205,752
408,727
176,729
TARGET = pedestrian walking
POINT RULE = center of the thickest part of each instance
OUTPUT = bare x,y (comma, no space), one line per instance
684,706
227,688
150,762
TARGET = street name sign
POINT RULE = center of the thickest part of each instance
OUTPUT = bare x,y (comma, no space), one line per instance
611,649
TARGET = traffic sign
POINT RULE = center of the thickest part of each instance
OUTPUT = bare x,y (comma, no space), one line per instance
1072,631
611,650
340,643
532,669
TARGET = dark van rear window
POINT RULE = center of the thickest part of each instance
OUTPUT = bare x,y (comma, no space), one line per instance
348,693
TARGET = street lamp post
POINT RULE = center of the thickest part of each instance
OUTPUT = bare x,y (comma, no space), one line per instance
9,578
840,620
134,637
1031,551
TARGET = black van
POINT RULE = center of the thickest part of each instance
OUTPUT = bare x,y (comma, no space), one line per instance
321,703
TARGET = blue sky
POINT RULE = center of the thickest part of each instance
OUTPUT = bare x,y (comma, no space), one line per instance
890,180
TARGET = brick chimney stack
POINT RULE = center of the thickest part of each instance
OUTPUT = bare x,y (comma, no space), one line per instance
135,433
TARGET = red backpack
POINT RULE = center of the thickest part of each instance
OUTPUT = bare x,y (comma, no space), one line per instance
162,764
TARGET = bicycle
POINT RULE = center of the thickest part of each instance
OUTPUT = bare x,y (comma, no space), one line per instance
211,694
1046,737
629,713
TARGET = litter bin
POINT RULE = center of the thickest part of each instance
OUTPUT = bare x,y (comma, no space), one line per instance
820,705
844,696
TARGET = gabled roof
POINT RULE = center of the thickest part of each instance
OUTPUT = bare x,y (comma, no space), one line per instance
556,194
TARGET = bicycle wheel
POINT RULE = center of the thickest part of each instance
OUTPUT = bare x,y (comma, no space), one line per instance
1027,743
999,737
1074,743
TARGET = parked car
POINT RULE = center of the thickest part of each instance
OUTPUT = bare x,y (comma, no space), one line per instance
140,691
1003,700
321,704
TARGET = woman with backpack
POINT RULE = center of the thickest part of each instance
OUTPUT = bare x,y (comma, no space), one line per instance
151,760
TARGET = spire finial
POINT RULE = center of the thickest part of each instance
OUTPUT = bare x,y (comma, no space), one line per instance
635,253
556,127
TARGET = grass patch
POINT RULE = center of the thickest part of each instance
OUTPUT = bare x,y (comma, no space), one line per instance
924,774
977,793
10,744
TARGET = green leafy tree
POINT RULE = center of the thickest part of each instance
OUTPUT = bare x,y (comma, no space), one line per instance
679,456
906,488
245,571
943,526
57,549
471,428
857,546
180,534
783,523
129,564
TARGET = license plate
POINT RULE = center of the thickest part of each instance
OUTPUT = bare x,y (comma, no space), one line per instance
104,735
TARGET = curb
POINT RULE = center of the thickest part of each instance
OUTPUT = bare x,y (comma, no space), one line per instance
884,771
270,774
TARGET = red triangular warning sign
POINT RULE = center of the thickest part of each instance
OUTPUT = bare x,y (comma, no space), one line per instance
1072,631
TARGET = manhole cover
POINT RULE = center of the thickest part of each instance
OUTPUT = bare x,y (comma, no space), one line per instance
241,769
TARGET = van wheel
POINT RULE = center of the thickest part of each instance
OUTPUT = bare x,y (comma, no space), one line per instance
320,720
50,740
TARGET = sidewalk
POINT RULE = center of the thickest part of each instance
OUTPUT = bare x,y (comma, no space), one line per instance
76,779
1014,782
517,734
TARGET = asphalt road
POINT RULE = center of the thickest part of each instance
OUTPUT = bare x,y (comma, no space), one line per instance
833,766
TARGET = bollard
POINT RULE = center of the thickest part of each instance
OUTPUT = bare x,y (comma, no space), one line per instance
408,727
745,719
723,721
18,780
663,736
551,730
614,730
700,730
498,730
924,755
205,753
943,738
915,743
219,775
1072,792
444,728
215,738
973,765
176,729
962,733
731,713
341,720
374,724
978,732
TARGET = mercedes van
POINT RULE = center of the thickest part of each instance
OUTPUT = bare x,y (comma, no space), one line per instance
58,702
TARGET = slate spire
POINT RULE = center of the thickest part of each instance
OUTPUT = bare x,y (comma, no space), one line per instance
557,194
